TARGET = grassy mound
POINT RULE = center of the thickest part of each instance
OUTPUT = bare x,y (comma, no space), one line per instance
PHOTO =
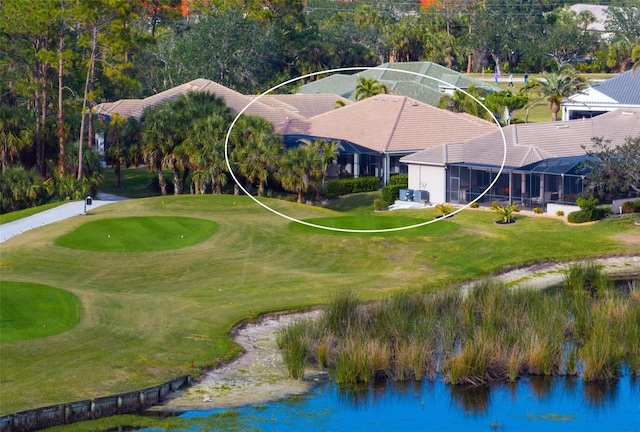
138,234
31,311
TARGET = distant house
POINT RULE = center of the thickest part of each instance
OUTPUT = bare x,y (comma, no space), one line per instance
619,92
411,83
543,161
378,131
274,108
374,133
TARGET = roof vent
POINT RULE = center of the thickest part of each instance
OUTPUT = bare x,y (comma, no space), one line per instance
627,113
562,127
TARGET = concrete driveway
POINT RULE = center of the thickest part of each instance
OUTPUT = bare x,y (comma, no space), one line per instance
64,211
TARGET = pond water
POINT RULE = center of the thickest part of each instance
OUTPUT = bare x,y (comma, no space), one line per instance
532,404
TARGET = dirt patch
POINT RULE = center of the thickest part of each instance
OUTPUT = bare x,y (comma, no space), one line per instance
629,239
257,376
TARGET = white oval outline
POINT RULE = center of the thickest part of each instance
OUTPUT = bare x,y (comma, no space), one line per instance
359,68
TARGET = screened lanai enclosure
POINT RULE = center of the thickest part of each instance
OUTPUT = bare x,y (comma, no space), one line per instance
355,160
557,180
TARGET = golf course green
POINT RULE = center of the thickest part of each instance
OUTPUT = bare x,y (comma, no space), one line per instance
151,307
31,311
137,234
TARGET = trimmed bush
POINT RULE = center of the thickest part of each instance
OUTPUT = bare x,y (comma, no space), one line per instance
337,187
582,216
380,204
392,192
631,206
400,179
537,210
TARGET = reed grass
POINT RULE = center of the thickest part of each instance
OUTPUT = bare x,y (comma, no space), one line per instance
292,342
492,333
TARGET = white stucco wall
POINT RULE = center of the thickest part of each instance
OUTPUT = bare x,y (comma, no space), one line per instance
429,178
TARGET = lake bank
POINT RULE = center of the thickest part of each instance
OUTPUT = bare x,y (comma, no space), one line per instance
259,375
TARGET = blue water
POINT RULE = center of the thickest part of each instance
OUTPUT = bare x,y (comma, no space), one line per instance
553,404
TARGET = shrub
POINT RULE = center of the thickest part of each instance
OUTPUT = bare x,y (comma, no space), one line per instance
391,193
444,208
559,213
537,210
506,212
474,205
346,186
582,216
631,206
400,179
380,204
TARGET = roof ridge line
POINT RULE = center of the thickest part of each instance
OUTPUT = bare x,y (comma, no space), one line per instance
392,129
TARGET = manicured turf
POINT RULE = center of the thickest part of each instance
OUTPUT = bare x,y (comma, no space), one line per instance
147,315
31,311
13,216
138,234
370,224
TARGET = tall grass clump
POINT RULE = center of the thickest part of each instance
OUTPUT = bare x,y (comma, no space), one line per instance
490,333
292,341
341,314
588,277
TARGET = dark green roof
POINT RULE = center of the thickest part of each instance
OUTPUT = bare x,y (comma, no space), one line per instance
416,84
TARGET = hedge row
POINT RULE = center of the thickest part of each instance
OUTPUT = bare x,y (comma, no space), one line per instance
337,187
582,216
631,206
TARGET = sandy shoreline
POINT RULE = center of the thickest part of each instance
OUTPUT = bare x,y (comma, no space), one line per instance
259,374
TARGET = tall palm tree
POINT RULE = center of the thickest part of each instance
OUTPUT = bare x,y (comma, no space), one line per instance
554,87
368,87
122,136
157,139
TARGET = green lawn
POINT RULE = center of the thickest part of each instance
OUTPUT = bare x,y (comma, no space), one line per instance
147,315
31,311
135,182
138,234
16,215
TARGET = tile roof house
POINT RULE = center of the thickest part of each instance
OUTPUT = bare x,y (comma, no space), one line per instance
378,131
274,108
621,91
401,78
542,161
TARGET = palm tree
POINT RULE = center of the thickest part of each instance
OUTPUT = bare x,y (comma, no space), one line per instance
554,87
299,165
122,136
328,150
157,140
13,135
368,87
460,102
205,148
257,149
635,57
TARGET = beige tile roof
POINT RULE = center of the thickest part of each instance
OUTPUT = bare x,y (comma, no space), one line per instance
306,105
533,142
390,123
276,108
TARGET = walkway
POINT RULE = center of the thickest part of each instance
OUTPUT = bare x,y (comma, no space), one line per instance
56,214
